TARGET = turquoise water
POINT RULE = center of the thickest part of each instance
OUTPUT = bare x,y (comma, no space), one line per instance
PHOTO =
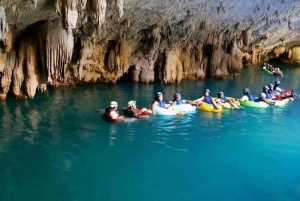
57,148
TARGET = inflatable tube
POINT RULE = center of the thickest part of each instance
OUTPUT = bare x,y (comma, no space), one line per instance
268,71
281,102
263,104
186,107
209,107
287,92
163,111
260,104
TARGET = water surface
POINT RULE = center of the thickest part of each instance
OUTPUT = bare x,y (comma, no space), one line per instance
57,148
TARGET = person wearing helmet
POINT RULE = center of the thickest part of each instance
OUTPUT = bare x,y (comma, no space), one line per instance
206,98
112,113
280,93
133,111
272,90
281,90
177,99
159,102
265,96
247,95
222,99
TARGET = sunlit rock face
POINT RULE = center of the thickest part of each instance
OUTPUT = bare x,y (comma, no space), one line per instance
61,42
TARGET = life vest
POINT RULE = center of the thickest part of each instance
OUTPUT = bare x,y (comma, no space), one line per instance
259,99
161,104
140,112
106,115
275,92
268,95
224,99
207,99
251,97
178,101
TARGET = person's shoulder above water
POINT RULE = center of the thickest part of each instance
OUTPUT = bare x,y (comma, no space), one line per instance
112,113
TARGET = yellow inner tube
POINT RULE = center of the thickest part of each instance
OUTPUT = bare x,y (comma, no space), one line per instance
209,107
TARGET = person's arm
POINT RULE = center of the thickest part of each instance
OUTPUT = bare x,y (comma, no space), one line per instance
154,104
115,116
139,116
199,100
213,102
268,101
167,105
218,100
174,103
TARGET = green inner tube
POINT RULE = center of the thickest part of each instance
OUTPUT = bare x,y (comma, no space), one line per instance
260,104
268,71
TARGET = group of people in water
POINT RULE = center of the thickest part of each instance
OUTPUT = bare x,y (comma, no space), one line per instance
269,94
273,69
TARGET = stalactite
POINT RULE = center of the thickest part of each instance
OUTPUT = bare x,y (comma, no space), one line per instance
59,7
82,4
59,49
119,4
3,24
18,78
2,59
31,71
97,9
67,10
7,72
216,57
236,61
71,18
124,54
119,56
279,50
173,67
111,60
187,60
35,2
155,43
246,36
294,53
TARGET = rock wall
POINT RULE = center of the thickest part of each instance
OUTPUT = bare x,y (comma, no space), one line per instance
51,43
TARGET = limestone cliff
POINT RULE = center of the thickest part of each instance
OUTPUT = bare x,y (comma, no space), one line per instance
61,42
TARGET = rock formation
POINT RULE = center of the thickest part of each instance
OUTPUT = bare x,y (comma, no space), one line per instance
61,42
